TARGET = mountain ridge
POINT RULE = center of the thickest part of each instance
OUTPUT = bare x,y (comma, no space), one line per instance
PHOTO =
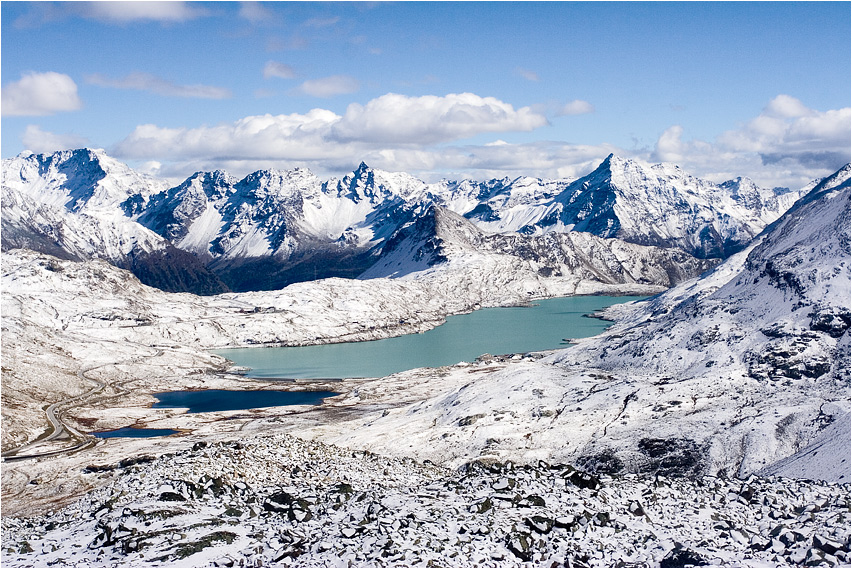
285,226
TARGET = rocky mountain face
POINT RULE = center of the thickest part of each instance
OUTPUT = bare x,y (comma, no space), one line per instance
662,205
274,227
440,235
644,204
75,205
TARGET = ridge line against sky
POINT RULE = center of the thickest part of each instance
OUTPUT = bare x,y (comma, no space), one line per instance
449,89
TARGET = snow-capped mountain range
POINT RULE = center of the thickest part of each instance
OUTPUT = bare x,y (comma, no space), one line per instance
275,227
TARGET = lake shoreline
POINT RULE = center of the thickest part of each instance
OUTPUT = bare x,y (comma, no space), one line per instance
547,324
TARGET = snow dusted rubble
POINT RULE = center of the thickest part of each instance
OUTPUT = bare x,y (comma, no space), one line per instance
277,500
732,373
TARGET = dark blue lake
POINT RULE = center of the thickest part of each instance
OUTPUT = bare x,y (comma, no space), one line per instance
209,400
134,433
464,337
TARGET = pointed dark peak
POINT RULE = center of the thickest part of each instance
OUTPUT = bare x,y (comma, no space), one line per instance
362,171
605,168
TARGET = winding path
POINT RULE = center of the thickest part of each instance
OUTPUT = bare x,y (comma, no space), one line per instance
54,412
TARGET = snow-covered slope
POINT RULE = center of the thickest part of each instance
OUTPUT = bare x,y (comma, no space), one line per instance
641,203
79,180
276,227
78,205
731,372
662,205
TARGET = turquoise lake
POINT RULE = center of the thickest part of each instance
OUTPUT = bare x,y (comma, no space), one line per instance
463,337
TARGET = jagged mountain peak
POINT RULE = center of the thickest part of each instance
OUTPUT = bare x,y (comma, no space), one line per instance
374,185
83,179
215,177
627,173
273,183
839,179
739,183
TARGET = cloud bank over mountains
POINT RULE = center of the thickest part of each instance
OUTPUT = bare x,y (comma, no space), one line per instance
785,139
787,144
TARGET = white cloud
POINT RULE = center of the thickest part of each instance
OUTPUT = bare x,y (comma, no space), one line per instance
122,12
261,137
38,94
116,12
388,122
787,144
38,140
392,132
276,69
575,107
329,86
431,119
255,12
541,159
146,82
527,74
785,106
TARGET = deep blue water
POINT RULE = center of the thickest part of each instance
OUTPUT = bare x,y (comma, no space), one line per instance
464,337
208,400
134,433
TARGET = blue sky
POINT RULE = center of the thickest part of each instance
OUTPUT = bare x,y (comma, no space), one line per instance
446,89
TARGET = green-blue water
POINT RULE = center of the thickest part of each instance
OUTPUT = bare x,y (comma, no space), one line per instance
462,338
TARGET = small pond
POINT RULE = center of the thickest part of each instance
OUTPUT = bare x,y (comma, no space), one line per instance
134,433
208,400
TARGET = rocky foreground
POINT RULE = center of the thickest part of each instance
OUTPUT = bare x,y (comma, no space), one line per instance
279,500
